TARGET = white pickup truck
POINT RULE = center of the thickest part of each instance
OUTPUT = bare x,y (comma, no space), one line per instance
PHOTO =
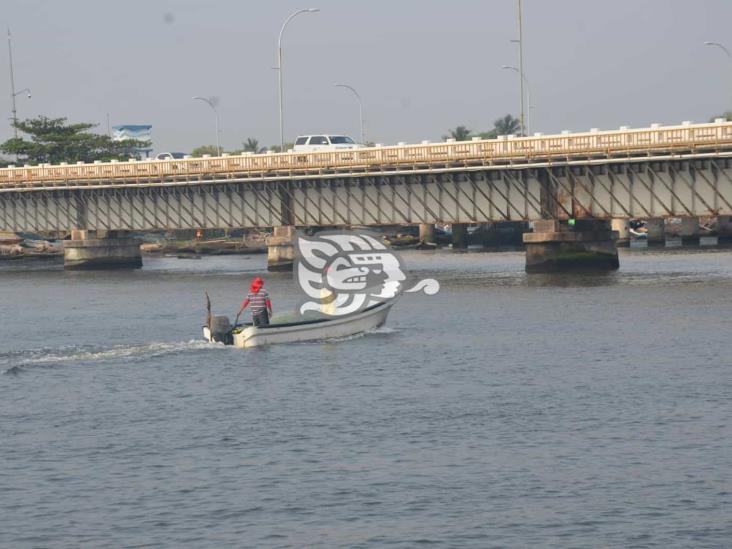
305,143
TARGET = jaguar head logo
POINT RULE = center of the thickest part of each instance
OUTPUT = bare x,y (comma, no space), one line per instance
346,272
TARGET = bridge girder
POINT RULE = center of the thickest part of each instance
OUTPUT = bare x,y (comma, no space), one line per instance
642,189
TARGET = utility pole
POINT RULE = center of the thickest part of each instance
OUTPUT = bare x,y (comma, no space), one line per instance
521,65
528,95
12,83
13,93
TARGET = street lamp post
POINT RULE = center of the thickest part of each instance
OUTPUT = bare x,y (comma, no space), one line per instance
211,103
528,95
721,47
279,69
13,93
520,43
360,107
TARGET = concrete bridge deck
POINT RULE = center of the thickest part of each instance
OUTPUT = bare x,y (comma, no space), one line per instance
507,151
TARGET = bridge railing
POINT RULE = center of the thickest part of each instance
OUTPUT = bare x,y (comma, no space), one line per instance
713,136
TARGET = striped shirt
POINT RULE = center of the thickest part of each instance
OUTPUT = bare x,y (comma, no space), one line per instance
258,301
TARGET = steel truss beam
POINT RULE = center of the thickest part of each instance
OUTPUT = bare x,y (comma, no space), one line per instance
654,188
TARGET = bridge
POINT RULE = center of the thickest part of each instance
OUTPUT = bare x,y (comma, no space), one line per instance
594,177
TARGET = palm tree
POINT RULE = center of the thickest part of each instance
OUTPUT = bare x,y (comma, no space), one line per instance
211,150
461,133
727,115
251,145
507,125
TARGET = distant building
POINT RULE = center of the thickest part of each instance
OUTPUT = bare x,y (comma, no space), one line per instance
134,131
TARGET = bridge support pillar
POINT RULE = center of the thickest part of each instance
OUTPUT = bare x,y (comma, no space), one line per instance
685,229
459,236
724,227
281,249
88,250
556,246
656,228
426,233
621,226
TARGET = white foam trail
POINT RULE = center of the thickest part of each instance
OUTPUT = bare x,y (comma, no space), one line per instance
143,350
383,330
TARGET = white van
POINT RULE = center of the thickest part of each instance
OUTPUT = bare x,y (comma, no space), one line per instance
306,143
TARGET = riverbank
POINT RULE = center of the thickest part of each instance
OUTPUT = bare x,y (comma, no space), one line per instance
221,246
28,246
15,247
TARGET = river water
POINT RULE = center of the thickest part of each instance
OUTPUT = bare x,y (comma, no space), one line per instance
508,410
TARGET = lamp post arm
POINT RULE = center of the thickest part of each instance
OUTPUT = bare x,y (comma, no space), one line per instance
360,108
289,18
279,71
720,46
216,115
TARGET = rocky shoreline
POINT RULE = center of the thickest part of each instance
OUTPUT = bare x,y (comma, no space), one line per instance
19,246
203,247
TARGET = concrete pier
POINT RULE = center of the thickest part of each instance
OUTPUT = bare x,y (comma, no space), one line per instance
684,229
556,246
89,250
656,227
620,225
281,249
724,227
427,233
459,236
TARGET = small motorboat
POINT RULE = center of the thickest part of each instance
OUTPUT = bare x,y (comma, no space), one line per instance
244,336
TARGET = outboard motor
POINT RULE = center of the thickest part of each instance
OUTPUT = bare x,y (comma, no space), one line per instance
221,330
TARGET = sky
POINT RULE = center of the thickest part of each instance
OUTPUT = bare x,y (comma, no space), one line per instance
421,67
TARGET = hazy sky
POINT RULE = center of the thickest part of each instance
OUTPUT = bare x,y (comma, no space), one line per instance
421,66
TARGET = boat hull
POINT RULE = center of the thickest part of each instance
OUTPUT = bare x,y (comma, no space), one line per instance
345,326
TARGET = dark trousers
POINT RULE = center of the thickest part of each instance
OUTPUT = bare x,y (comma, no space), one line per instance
261,318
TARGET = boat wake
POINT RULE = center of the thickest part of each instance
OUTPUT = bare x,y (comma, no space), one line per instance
16,361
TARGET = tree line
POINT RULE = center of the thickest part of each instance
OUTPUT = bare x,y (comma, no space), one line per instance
54,140
506,125
45,140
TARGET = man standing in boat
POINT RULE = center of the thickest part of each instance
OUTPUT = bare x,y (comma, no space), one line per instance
258,301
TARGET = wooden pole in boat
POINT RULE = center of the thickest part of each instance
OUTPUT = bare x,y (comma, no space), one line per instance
208,312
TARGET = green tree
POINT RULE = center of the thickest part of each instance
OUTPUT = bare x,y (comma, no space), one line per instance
276,148
727,115
205,149
460,133
251,145
53,140
507,125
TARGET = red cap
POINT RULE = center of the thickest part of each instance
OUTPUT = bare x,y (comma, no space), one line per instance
256,284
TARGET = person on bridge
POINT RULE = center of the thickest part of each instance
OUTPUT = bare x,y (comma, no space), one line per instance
258,300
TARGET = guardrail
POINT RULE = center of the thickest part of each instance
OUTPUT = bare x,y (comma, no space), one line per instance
714,136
